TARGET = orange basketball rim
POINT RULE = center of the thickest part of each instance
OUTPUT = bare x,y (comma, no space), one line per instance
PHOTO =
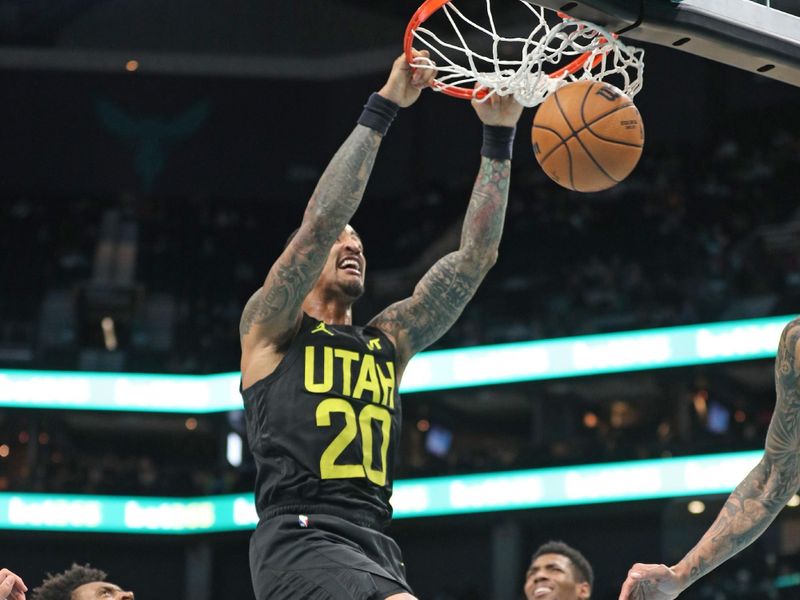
471,83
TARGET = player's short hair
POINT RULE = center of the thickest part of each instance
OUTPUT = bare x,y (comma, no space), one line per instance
581,568
61,585
294,234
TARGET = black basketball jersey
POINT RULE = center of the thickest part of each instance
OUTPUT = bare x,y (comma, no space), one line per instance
325,425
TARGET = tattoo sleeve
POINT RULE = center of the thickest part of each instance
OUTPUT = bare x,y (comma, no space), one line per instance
759,498
275,307
441,295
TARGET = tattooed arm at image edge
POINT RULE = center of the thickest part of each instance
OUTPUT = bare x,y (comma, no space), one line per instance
762,494
441,295
276,305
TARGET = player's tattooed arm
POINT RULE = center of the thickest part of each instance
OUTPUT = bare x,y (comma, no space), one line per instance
754,503
759,498
443,292
273,312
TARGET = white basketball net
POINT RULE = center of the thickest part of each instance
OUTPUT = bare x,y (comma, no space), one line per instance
547,47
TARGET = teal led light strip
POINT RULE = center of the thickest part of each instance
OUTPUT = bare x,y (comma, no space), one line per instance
595,354
513,490
463,367
787,581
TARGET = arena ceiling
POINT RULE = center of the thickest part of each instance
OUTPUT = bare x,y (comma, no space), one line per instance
206,37
296,39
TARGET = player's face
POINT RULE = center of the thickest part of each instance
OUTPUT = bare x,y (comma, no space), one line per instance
346,266
100,590
551,577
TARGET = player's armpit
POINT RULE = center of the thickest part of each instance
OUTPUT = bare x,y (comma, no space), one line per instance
437,302
256,328
441,295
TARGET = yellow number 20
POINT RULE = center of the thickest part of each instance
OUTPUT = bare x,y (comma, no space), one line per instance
328,467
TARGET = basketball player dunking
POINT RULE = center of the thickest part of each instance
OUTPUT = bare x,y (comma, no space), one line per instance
320,394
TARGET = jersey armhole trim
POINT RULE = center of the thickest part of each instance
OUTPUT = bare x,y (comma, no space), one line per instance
285,362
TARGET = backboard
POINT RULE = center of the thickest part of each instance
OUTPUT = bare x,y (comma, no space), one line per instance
743,33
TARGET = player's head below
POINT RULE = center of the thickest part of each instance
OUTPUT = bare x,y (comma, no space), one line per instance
558,572
343,275
79,582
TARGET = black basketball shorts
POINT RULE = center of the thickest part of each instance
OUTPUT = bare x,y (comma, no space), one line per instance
322,557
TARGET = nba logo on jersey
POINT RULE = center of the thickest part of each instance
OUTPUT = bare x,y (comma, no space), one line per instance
302,520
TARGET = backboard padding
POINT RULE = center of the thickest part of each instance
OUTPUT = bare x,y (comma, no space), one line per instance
741,33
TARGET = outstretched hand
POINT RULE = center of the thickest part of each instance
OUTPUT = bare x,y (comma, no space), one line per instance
11,586
407,82
498,110
651,582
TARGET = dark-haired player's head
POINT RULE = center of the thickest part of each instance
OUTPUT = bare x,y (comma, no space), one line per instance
558,572
79,582
344,272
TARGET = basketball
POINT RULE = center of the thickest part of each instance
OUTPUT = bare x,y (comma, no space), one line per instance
588,136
